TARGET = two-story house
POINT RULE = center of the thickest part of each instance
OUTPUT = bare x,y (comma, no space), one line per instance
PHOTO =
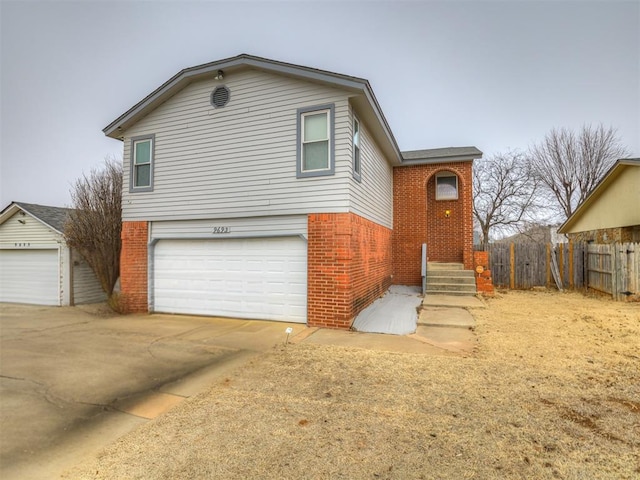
260,189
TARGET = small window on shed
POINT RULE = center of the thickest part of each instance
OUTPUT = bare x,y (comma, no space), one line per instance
220,96
446,186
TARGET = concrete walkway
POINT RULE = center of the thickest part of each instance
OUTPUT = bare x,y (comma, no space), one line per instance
394,313
444,323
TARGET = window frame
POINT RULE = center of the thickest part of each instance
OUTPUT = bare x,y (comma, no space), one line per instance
357,151
132,172
447,174
329,109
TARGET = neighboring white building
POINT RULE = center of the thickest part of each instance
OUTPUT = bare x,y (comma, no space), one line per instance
36,265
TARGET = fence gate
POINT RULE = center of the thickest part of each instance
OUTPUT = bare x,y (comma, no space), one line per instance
614,269
599,268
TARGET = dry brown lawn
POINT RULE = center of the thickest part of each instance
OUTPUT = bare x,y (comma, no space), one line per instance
553,391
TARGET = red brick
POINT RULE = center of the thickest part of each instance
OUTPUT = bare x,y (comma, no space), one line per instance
133,267
419,218
350,257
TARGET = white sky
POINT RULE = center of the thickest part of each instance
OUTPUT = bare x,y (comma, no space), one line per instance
496,75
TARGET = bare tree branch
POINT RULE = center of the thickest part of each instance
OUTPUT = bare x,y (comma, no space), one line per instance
569,165
93,227
505,193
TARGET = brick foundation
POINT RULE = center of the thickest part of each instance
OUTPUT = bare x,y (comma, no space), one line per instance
420,218
484,282
349,266
133,267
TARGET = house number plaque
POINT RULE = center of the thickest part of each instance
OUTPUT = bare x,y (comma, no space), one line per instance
221,230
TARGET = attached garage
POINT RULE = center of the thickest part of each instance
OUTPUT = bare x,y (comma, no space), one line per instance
36,265
255,278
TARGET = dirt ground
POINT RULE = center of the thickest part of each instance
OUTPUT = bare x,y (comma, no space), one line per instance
553,391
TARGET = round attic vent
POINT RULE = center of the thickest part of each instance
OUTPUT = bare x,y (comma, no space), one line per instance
220,96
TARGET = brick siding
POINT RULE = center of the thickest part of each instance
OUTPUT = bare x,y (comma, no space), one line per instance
133,267
419,218
484,282
608,235
349,266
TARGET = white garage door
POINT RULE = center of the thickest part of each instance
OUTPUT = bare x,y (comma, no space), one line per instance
261,278
29,276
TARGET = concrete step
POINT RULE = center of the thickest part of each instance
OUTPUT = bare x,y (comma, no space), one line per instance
459,287
456,293
450,273
444,266
461,280
446,317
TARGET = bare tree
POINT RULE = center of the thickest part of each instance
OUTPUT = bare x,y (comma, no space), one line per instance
569,165
505,193
93,227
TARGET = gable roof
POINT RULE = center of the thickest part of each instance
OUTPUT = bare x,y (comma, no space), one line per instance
53,217
614,172
367,103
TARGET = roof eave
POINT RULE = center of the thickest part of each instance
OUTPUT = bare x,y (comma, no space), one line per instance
431,161
611,175
13,208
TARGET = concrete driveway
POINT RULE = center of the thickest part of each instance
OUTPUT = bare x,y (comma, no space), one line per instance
74,379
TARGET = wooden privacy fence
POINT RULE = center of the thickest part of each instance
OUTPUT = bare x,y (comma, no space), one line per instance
613,269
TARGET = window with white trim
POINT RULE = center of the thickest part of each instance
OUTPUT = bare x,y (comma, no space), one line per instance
356,150
315,151
446,186
142,163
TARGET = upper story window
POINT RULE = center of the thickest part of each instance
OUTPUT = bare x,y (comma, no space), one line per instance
446,186
356,150
142,149
315,149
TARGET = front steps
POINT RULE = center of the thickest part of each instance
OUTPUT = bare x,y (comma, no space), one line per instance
450,279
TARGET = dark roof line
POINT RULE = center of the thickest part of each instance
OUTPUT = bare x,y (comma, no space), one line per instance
55,217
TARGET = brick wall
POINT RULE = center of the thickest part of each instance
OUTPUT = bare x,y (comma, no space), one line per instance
133,267
608,235
349,266
419,218
484,282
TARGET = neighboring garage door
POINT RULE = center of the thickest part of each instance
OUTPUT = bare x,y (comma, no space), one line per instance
29,276
261,278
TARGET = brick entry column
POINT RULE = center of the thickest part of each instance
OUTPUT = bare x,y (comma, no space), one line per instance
419,218
133,267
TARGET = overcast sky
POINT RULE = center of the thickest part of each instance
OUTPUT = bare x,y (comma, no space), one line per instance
496,75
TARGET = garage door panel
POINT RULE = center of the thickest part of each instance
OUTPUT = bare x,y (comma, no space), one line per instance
29,276
244,278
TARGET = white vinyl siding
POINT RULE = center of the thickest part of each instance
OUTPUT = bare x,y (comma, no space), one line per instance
290,225
238,160
86,287
256,278
372,196
32,231
30,276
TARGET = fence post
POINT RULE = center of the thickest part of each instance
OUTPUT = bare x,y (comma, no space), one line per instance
571,272
613,249
560,248
548,265
512,266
